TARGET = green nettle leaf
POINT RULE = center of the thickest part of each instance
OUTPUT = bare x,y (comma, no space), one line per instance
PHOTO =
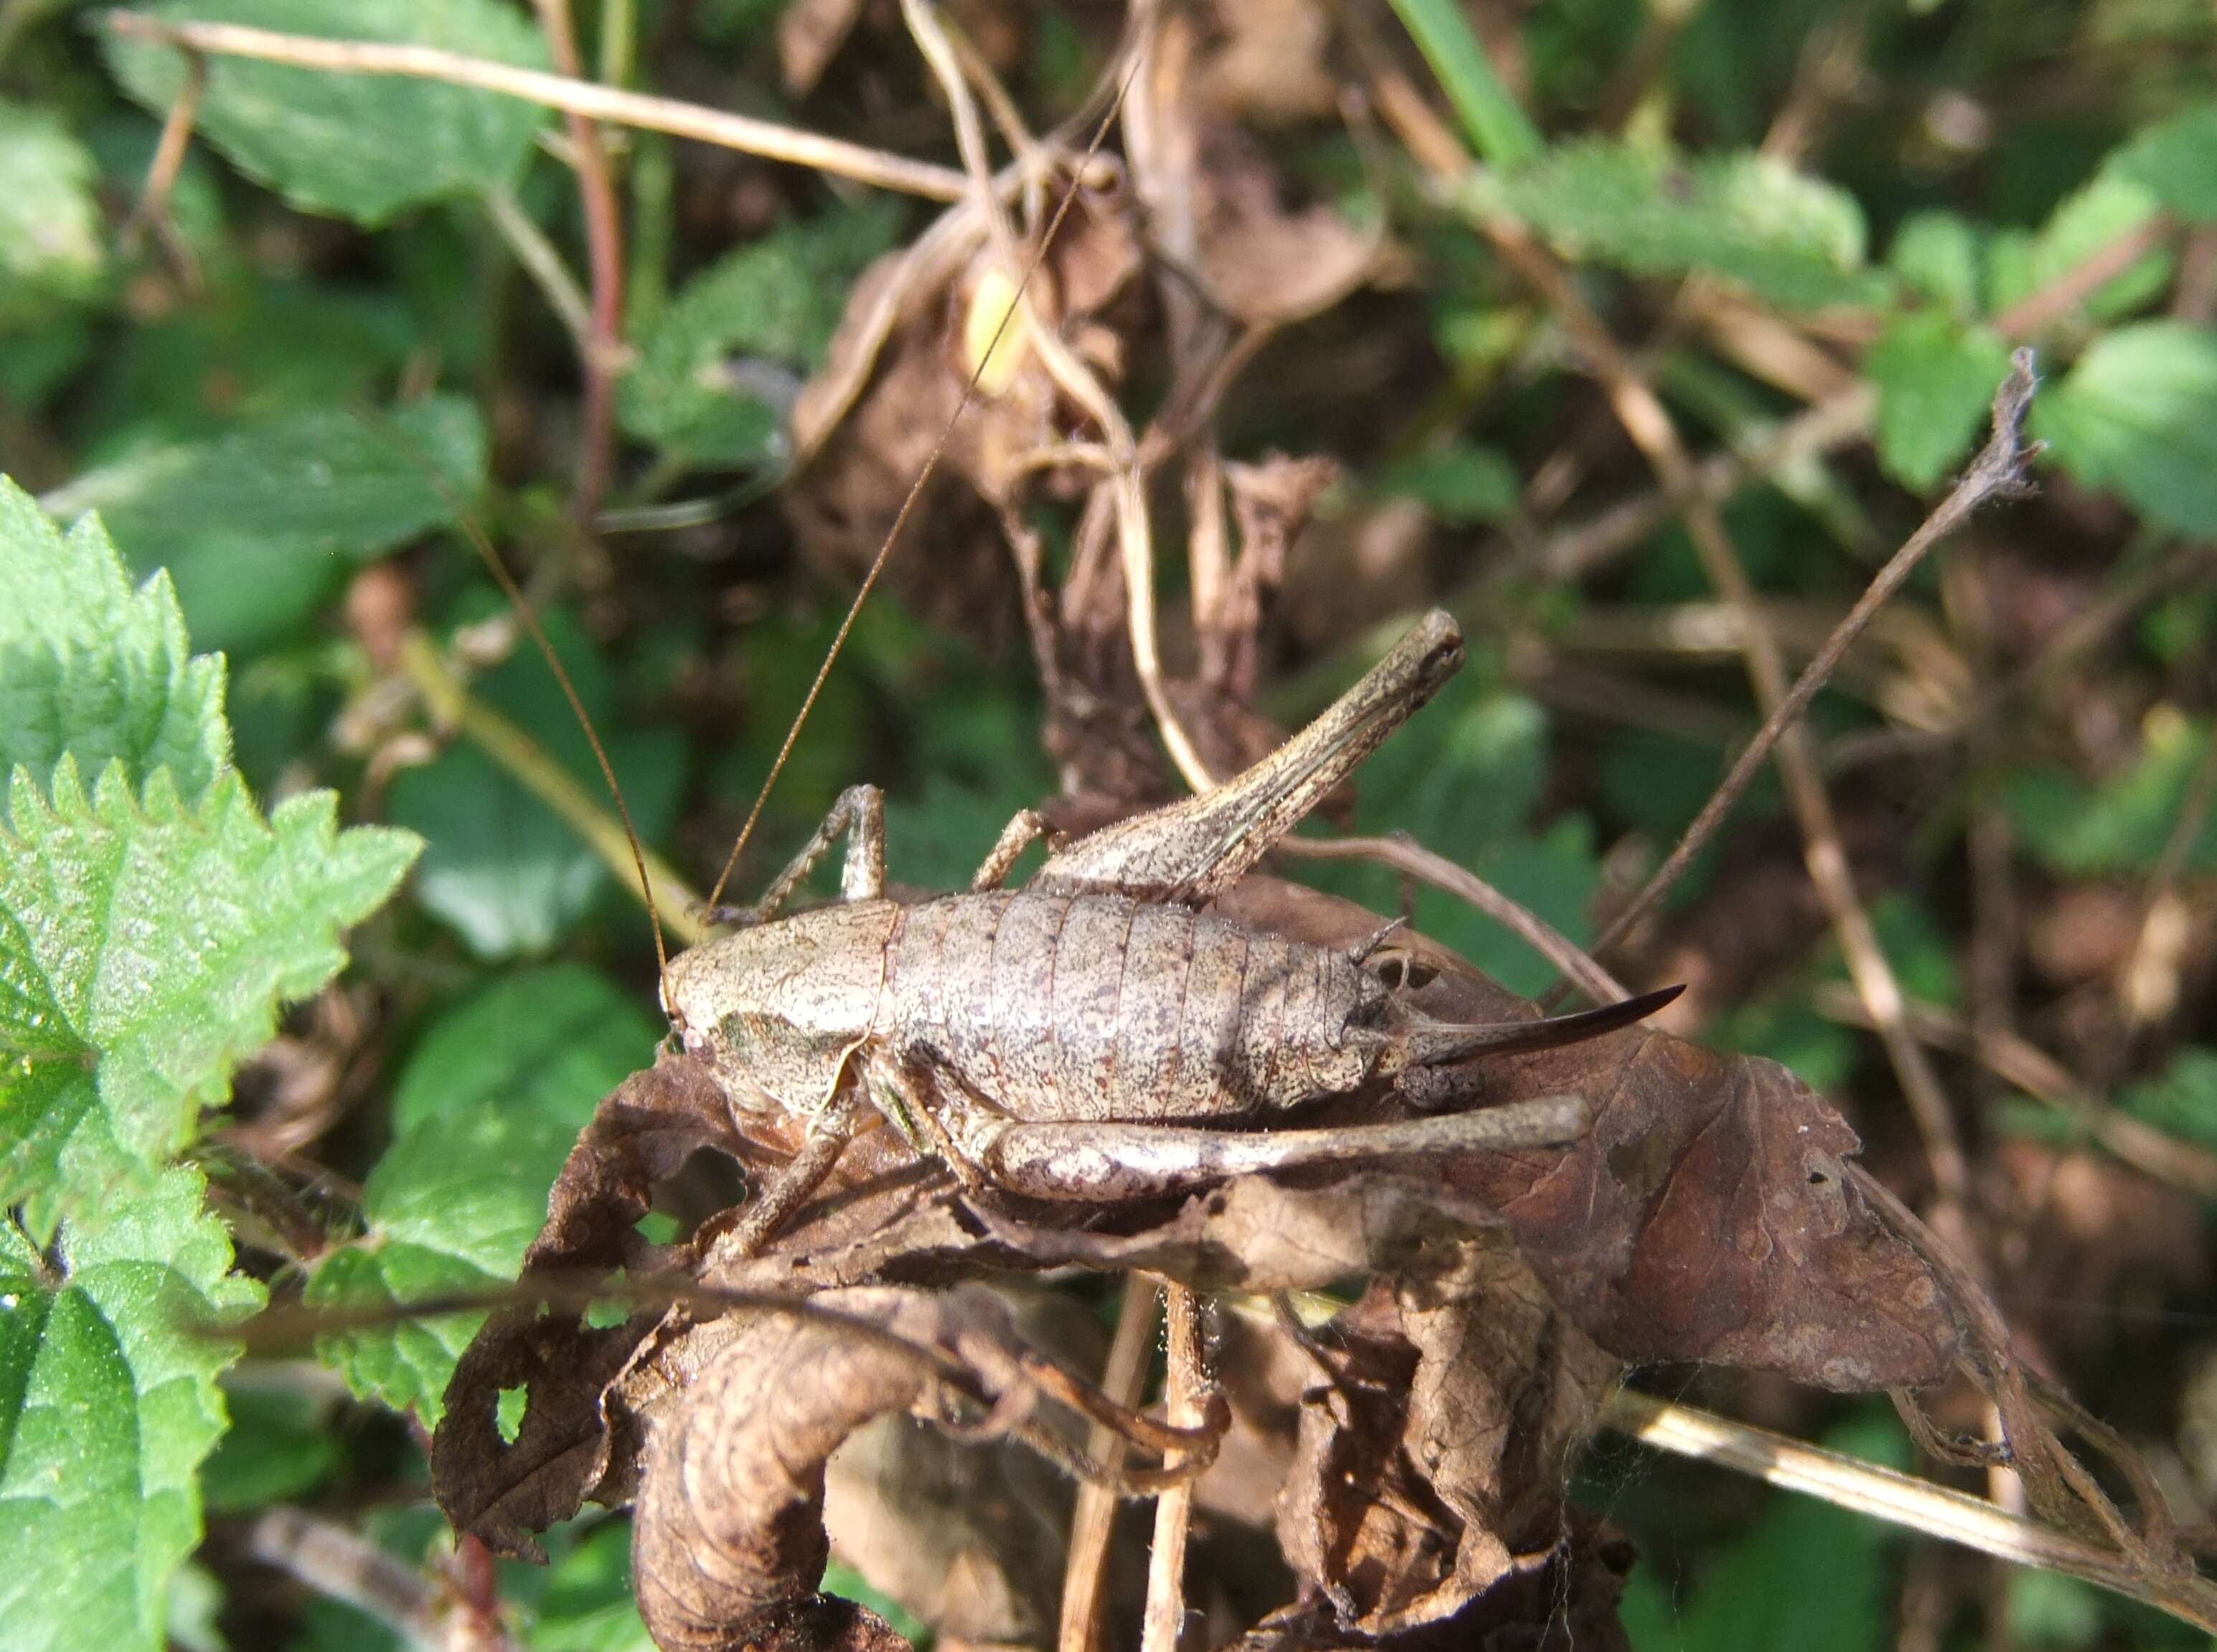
1941,255
365,147
1788,238
2113,205
51,248
282,1446
144,944
89,667
723,359
489,1106
105,1409
2177,160
2137,414
1461,485
1936,379
2182,1099
2123,824
500,868
257,526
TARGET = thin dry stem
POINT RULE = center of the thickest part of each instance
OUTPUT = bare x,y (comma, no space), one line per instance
1092,1520
2019,1062
2148,984
2039,310
544,265
1650,426
170,149
1903,1501
572,97
1074,378
1184,1390
1406,856
341,1564
1998,473
908,504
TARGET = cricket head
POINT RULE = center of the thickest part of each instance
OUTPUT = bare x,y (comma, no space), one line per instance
774,1009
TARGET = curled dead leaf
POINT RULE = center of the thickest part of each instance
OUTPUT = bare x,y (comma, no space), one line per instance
1431,1460
729,1544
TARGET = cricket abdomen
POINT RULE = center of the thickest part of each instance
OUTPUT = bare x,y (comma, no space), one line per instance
1099,1007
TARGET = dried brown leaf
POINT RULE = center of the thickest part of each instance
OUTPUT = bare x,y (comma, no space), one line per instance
1261,261
1704,1216
1430,1463
728,1544
1568,1604
904,350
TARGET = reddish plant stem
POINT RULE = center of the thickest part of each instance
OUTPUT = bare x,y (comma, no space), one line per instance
597,198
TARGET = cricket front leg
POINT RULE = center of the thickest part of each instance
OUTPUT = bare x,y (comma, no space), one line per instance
1106,1162
1194,850
861,814
780,1194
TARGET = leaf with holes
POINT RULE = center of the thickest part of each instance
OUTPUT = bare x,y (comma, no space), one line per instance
488,1107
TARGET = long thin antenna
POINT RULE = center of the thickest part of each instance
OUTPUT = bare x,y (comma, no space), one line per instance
922,478
491,557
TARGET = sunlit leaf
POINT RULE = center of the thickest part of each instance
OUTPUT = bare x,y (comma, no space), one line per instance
107,1405
90,666
2137,414
1785,235
1936,379
365,147
2177,161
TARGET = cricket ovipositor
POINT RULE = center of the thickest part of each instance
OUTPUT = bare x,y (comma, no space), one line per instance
1097,1033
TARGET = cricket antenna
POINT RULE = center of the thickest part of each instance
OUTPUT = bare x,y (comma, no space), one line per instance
922,478
522,606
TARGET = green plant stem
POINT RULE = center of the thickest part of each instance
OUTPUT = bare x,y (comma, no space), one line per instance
543,263
1503,132
522,757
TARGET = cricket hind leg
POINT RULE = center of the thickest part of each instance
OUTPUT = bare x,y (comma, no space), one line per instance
1103,1163
859,814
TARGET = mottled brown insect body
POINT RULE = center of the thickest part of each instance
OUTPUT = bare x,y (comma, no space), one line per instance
1102,997
1051,1007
